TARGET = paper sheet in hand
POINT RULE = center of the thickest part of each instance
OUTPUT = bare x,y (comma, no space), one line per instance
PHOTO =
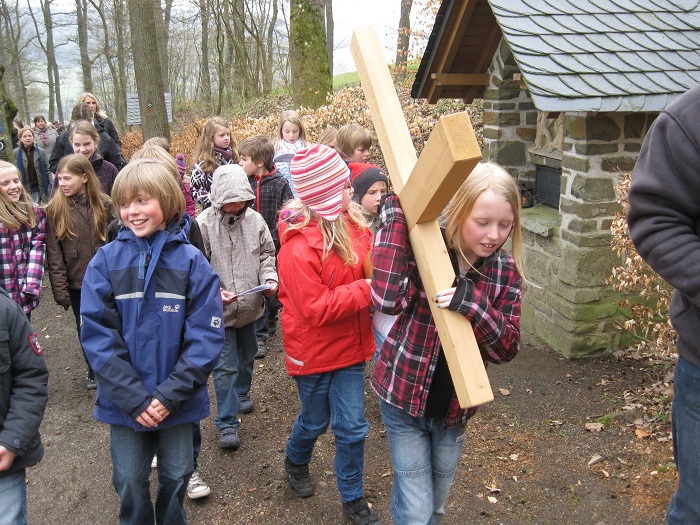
257,289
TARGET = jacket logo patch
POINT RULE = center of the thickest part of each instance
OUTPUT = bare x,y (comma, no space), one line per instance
216,322
34,342
172,309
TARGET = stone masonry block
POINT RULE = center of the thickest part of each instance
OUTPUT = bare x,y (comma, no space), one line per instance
585,267
510,153
587,210
618,164
574,163
586,148
526,133
592,189
634,125
588,240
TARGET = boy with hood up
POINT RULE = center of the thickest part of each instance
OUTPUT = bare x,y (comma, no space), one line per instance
240,248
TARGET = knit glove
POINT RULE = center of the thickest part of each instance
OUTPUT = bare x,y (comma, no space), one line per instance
462,299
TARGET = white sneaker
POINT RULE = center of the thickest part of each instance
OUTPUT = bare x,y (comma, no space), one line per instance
154,462
196,488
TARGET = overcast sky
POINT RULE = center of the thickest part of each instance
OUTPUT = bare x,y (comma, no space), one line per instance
383,15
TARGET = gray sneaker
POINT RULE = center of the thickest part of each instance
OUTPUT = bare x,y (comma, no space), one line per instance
245,404
262,350
196,488
228,438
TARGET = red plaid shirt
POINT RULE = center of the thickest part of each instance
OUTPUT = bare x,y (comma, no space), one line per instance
406,365
22,255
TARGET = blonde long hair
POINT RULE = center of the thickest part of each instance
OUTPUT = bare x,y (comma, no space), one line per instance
486,176
204,151
59,209
336,234
98,109
290,116
15,214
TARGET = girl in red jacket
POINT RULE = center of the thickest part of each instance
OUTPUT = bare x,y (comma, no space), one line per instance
326,324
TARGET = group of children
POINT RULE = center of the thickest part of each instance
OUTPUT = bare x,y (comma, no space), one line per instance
162,300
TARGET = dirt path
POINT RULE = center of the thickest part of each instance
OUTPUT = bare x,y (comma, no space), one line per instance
525,460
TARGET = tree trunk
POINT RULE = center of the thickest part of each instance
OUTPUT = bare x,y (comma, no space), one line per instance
311,76
47,48
149,77
403,39
120,81
53,72
107,51
7,110
206,77
81,15
162,18
268,73
330,25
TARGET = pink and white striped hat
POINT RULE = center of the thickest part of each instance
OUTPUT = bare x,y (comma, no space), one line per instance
319,176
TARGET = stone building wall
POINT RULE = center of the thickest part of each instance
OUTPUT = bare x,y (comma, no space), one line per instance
567,251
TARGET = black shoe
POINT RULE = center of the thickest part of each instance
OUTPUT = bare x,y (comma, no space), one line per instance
262,350
360,513
299,480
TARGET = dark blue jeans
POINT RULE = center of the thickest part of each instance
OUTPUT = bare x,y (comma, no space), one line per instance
272,308
685,503
337,398
132,453
233,373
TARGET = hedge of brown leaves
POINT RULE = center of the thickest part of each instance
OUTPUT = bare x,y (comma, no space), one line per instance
345,105
648,316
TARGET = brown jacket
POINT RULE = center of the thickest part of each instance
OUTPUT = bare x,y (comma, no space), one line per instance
68,258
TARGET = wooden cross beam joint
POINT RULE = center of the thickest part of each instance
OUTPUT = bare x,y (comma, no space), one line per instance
424,186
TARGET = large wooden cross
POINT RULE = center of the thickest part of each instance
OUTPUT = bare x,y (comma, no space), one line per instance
424,186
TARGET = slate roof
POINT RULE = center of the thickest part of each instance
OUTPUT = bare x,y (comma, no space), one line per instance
602,55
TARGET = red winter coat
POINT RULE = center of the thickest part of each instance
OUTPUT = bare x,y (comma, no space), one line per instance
325,317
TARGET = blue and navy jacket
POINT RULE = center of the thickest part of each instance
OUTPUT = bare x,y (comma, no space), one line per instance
151,327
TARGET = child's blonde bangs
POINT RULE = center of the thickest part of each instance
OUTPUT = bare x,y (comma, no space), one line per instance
151,177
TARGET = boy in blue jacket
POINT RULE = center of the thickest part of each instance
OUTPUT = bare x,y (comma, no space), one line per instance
152,330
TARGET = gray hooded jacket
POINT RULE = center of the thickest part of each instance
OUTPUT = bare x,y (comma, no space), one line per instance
239,247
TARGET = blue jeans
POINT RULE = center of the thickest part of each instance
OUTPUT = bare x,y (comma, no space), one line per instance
379,339
685,503
132,453
233,373
196,443
36,194
272,308
13,499
424,456
337,398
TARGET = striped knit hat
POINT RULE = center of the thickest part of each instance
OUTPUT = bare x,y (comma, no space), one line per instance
319,176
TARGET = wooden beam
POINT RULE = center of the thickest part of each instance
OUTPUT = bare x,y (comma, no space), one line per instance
461,79
456,335
450,154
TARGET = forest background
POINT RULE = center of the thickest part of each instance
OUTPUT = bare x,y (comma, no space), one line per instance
212,56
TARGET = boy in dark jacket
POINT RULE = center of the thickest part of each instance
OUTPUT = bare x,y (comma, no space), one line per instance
271,191
23,397
152,330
